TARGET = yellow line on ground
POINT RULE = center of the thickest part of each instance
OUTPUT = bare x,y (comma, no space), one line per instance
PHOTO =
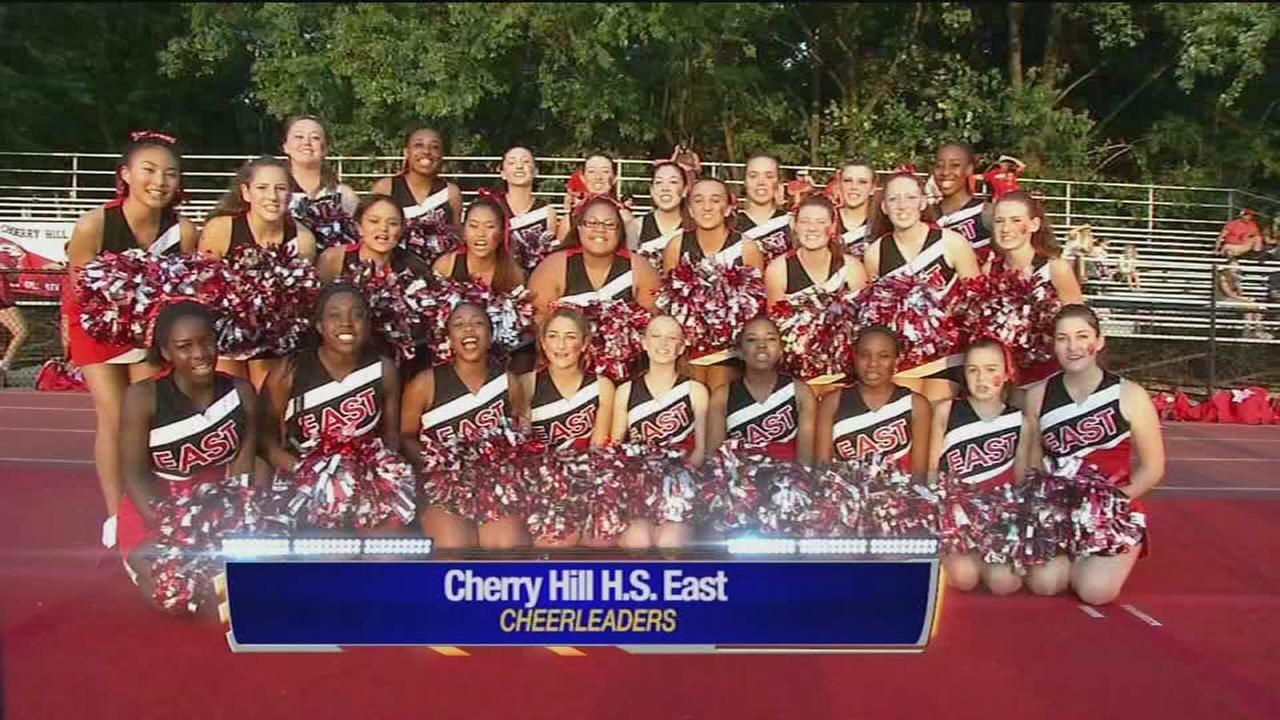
450,650
566,651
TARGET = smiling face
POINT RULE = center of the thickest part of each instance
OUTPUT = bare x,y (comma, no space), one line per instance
950,169
518,168
267,193
425,152
597,172
709,204
663,340
1076,344
344,323
190,348
152,175
857,183
599,230
482,231
1013,225
762,180
305,142
874,359
562,342
469,333
761,345
985,374
667,187
815,226
903,203
380,227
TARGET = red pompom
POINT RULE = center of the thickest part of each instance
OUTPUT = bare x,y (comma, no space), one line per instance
1013,307
617,327
429,240
712,301
819,332
481,476
510,313
350,483
918,311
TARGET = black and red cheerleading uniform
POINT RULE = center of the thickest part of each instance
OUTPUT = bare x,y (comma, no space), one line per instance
242,235
967,221
854,239
979,453
930,266
652,241
433,210
860,433
117,237
798,279
665,422
530,225
773,236
560,421
730,253
187,446
1041,271
400,261
323,215
319,405
578,289
456,412
771,424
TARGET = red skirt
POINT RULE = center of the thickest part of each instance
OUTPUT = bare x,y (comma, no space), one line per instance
85,350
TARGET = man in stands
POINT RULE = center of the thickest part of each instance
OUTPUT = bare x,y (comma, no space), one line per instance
1241,237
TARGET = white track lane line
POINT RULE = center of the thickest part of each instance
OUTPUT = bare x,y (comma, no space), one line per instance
33,429
1141,616
41,461
1091,611
1212,488
45,408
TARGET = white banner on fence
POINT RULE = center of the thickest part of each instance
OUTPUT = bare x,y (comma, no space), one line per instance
48,240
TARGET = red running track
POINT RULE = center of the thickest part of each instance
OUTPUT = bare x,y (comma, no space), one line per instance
75,641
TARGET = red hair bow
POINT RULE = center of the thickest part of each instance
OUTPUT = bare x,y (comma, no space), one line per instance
153,136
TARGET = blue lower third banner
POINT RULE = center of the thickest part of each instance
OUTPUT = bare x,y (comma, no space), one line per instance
798,604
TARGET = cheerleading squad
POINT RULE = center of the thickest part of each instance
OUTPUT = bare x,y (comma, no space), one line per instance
650,350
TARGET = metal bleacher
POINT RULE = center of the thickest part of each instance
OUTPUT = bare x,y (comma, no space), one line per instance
1173,228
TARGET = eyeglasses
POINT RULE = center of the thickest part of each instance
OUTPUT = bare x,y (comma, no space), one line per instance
600,224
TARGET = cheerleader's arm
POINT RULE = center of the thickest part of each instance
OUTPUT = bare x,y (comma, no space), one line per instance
618,429
520,401
348,199
390,404
135,463
855,275
1026,448
1031,424
329,266
775,280
86,240
604,418
190,237
216,239
871,261
274,396
546,285
647,282
382,186
824,440
960,254
455,204
671,255
938,429
807,409
751,255
698,398
417,398
247,457
1148,442
717,418
306,243
1065,282
921,426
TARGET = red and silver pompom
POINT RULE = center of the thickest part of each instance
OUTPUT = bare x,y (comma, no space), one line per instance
712,301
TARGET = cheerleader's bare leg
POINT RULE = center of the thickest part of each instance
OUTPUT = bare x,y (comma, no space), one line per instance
673,535
637,536
107,383
713,376
12,320
1001,579
568,541
258,370
1097,580
964,570
504,533
448,531
1051,578
234,368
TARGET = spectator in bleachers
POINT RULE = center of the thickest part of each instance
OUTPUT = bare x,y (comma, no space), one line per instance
1231,296
1127,268
1240,237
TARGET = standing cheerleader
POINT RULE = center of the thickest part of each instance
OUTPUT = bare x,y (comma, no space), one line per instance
980,443
486,255
662,408
913,247
1086,414
12,320
341,387
1024,243
318,199
651,234
430,202
818,259
569,407
380,220
459,400
765,409
762,220
959,210
531,218
148,186
875,417
255,212
597,176
856,190
188,426
593,264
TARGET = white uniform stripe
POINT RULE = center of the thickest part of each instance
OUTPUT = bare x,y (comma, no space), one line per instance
1071,410
431,203
959,216
767,227
649,407
197,423
920,262
465,403
661,242
745,415
336,388
171,237
1007,421
564,405
611,289
848,426
530,218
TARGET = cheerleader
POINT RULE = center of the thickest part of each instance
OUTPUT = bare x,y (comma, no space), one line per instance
255,212
148,186
12,320
531,218
188,425
486,255
380,220
427,198
818,259
875,416
856,191
651,234
763,220
343,385
765,409
1024,242
709,208
568,407
913,247
981,442
598,176
462,399
1086,414
593,264
958,209
315,190
664,408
